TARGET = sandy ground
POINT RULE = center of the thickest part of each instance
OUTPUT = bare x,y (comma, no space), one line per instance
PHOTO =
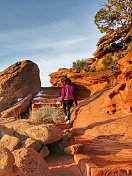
62,165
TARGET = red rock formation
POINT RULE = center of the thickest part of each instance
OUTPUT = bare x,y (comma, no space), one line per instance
98,64
90,60
44,151
91,82
5,130
17,109
102,123
44,133
106,43
31,143
124,62
101,142
120,98
11,142
86,83
18,81
30,162
6,162
106,138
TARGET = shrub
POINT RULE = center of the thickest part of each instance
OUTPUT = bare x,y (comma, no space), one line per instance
93,69
108,63
107,60
81,64
48,114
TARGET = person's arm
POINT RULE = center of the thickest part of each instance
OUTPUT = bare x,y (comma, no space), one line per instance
62,94
75,96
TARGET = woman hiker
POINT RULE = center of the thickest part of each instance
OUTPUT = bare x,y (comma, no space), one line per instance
68,94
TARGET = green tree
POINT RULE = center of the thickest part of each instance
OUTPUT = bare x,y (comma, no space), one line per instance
114,14
81,64
107,60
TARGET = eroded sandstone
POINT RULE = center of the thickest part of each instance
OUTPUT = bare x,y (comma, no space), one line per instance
18,81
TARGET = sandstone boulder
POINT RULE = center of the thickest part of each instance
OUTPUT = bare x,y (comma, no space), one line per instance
6,130
73,149
6,162
18,81
17,109
45,133
31,143
10,142
65,142
30,162
44,151
15,127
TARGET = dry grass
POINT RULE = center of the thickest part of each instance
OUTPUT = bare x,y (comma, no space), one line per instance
48,114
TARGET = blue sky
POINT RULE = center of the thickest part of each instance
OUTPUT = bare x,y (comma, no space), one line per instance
51,33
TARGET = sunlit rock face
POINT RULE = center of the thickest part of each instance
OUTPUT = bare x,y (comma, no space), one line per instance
18,81
120,97
85,83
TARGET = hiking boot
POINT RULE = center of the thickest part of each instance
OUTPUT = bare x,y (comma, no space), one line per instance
68,121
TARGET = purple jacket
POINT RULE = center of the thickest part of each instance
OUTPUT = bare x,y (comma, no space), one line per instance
68,92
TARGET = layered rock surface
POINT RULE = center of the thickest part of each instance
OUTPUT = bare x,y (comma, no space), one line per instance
85,83
91,82
106,139
102,122
120,97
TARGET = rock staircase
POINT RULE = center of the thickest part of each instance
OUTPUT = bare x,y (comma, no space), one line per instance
47,96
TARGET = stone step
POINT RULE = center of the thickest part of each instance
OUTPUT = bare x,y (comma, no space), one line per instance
39,105
44,96
64,125
103,157
62,165
47,96
85,164
90,168
45,100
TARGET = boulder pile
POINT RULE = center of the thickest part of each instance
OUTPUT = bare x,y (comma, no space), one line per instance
23,150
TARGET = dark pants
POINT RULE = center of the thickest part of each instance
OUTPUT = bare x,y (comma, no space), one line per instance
67,104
